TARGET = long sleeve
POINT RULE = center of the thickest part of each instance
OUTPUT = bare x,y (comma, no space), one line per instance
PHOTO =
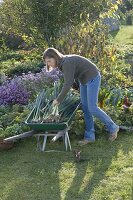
68,69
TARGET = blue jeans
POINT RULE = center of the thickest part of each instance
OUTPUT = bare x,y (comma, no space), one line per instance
89,100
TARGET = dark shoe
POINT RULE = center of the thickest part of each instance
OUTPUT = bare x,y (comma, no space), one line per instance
84,142
113,136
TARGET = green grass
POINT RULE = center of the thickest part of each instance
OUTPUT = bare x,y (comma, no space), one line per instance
106,174
124,35
124,38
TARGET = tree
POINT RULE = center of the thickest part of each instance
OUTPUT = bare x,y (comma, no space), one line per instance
44,19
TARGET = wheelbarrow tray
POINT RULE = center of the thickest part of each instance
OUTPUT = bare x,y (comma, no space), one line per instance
50,126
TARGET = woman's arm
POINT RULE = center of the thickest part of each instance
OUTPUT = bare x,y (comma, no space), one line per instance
68,69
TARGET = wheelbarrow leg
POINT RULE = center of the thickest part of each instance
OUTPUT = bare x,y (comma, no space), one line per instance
44,142
65,140
38,143
39,146
68,140
64,133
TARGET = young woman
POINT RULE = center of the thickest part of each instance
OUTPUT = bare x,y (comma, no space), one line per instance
78,67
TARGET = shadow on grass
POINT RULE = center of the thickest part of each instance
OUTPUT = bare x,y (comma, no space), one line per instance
99,159
114,33
28,174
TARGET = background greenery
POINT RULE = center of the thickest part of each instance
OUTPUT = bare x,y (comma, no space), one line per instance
27,29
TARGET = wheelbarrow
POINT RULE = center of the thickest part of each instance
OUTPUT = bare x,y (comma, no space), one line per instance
56,129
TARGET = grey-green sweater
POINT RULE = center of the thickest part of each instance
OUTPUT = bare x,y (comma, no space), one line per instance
75,67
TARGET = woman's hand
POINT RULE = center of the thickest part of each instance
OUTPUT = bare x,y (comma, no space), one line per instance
55,102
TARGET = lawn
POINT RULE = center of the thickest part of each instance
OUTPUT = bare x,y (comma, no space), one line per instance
106,172
124,38
124,35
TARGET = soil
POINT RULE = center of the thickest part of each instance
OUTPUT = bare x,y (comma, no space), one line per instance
5,145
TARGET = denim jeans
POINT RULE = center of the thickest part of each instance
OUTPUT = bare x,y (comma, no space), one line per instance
89,101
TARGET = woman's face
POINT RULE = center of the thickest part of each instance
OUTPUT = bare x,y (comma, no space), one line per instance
50,62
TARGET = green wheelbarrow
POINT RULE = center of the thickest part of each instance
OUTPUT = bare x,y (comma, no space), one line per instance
56,129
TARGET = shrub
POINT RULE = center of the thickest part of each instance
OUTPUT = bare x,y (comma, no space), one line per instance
10,55
25,67
12,120
22,88
13,92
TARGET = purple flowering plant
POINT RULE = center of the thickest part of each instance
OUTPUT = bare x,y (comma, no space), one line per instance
20,89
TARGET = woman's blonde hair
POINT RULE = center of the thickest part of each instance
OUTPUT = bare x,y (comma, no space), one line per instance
52,53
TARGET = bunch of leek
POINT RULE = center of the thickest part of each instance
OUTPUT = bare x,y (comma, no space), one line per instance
51,114
37,110
46,112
